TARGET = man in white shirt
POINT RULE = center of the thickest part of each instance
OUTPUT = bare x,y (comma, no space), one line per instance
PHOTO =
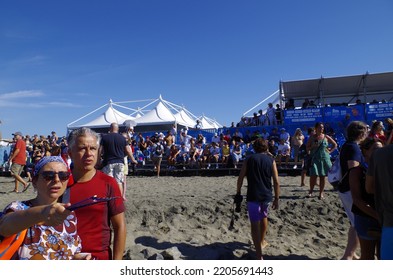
216,138
284,151
284,135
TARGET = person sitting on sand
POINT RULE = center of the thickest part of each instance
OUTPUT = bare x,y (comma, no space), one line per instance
260,169
50,226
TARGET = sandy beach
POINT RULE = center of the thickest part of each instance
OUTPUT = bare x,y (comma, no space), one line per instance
189,218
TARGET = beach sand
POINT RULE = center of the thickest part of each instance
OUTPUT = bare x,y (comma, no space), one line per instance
189,218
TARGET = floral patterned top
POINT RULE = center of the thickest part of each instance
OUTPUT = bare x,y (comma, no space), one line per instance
47,242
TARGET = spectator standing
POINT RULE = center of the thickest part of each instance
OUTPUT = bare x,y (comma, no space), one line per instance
351,157
51,229
320,146
363,206
263,120
279,114
297,142
260,169
169,140
379,181
174,133
157,152
198,125
271,114
114,148
185,138
96,222
306,159
378,131
53,139
255,119
18,161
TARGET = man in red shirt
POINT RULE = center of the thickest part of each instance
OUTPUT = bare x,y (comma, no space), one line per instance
99,223
18,161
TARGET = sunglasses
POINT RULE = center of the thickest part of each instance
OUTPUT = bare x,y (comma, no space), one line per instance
50,175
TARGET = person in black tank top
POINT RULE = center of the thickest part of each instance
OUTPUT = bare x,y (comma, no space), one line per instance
260,169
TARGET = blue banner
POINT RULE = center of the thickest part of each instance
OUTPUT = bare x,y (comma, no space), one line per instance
303,116
379,111
348,113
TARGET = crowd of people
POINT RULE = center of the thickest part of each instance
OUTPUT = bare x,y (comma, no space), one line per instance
63,171
222,150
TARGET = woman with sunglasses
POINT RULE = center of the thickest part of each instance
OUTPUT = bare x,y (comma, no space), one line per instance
51,228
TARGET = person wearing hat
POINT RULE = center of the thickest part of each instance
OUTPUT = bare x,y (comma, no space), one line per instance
18,161
216,138
284,135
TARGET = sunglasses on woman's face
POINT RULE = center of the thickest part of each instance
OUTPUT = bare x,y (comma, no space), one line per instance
50,175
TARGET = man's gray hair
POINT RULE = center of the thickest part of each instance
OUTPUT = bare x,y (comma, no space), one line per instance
83,131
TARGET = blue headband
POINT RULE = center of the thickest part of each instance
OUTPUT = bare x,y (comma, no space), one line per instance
44,161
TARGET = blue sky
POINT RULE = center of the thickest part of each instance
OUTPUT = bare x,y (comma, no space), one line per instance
60,60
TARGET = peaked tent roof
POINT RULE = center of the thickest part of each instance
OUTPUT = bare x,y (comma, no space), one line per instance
111,115
183,118
162,114
159,115
208,123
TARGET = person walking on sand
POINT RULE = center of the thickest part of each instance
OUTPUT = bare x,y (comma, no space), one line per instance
18,161
114,148
260,169
96,222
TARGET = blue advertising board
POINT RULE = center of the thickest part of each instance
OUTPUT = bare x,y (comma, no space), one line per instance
339,113
379,111
303,116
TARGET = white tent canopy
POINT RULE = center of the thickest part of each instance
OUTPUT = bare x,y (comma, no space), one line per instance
208,123
111,115
157,114
185,119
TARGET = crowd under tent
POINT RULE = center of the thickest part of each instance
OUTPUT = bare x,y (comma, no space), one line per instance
339,90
